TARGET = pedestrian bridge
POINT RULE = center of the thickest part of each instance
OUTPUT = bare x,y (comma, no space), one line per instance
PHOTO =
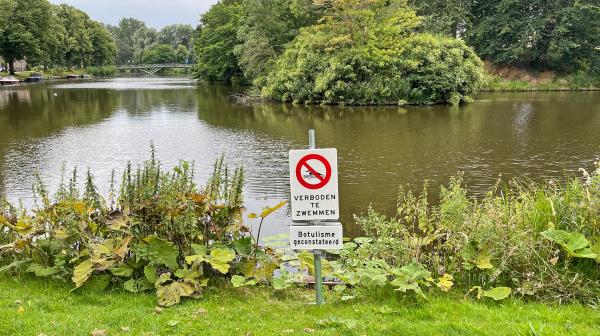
153,68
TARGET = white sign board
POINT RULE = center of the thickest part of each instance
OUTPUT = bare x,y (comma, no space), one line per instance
314,184
316,237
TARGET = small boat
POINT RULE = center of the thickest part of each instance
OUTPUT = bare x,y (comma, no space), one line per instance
72,76
34,78
8,80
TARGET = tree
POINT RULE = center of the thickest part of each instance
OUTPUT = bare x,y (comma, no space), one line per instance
78,45
215,42
176,34
182,54
541,34
51,43
266,27
103,45
161,53
123,34
143,39
368,52
24,27
444,17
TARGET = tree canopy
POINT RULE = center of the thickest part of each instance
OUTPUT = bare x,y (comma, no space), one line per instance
557,35
135,40
216,41
52,35
342,51
367,52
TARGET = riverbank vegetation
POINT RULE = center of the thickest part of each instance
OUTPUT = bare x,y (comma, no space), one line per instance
49,36
346,52
510,78
158,231
316,51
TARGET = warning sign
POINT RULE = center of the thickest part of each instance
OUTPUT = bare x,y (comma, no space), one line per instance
321,237
314,184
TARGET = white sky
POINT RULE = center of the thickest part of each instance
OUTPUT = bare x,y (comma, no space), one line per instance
156,13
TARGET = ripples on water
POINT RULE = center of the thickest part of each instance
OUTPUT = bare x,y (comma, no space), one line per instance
102,124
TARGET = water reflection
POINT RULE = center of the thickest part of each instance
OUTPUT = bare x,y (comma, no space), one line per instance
103,124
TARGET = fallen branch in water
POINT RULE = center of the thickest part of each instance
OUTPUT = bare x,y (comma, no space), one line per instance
244,98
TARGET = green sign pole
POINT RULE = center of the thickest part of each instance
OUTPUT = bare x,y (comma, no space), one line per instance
312,144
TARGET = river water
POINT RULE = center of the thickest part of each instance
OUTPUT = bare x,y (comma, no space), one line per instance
102,124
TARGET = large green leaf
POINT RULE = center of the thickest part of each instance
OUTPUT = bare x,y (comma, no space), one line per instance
498,293
137,285
243,246
97,282
82,272
172,293
408,277
150,274
187,274
280,283
220,259
15,265
42,271
198,256
123,270
159,251
574,243
240,281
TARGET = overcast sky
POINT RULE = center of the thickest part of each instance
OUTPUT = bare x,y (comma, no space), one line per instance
156,13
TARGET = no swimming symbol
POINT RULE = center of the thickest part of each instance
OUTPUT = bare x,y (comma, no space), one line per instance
322,179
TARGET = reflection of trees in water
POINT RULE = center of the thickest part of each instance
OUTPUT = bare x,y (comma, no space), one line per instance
9,96
43,113
35,112
140,102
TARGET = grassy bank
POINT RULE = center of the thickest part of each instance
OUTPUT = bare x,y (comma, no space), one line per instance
35,307
101,71
22,75
505,78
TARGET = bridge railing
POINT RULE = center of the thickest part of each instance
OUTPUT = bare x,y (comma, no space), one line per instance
150,66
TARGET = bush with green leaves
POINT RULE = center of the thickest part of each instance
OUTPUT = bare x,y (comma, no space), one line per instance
542,240
159,232
367,53
103,71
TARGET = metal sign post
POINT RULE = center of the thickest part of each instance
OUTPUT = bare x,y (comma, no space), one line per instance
312,144
315,204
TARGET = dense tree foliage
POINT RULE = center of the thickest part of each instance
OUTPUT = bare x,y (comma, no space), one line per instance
262,41
160,53
444,17
266,26
343,51
50,35
135,40
367,52
559,35
216,41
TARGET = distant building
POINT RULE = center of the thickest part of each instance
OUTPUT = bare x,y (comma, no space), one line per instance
19,65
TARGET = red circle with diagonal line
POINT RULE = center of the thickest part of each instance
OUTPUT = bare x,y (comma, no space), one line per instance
323,180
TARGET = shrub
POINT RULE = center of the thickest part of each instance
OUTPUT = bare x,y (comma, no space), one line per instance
104,71
363,54
542,240
158,232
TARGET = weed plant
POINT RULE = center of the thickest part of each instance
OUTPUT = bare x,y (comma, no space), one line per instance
543,240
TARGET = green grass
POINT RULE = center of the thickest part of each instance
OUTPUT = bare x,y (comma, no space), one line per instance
34,307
